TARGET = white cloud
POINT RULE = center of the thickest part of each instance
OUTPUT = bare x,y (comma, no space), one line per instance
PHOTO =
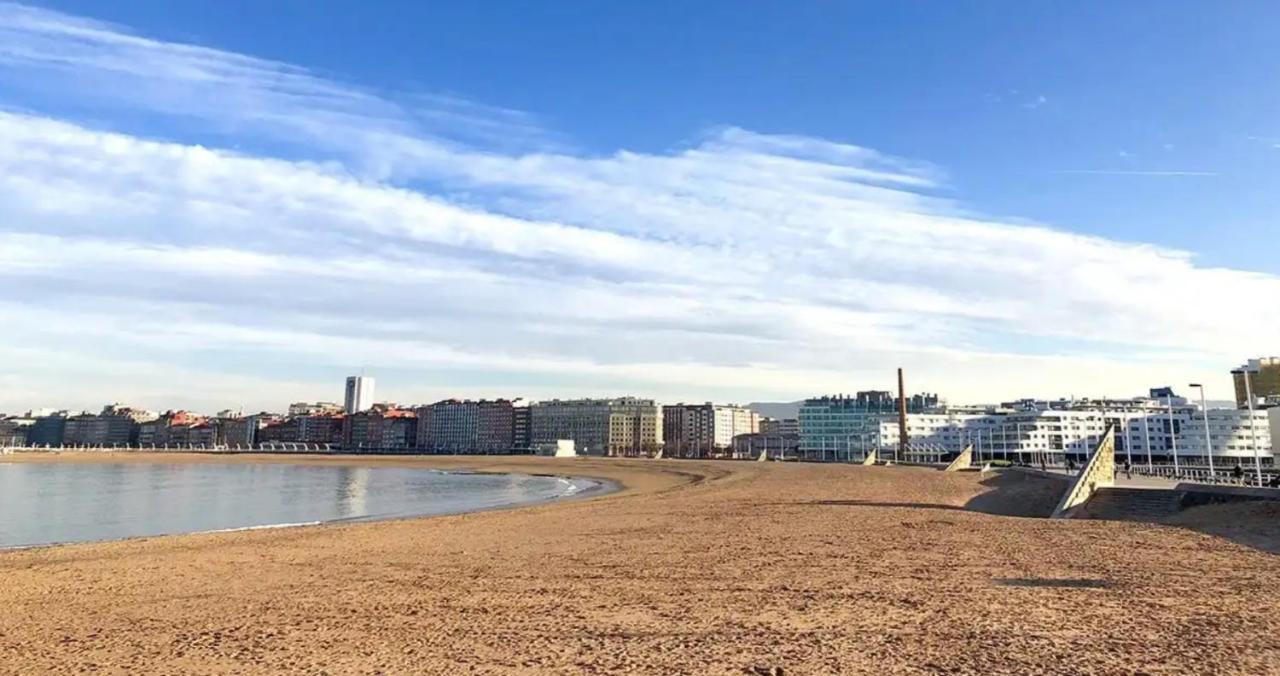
1036,102
1139,172
742,266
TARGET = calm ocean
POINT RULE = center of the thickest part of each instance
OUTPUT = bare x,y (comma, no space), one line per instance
48,503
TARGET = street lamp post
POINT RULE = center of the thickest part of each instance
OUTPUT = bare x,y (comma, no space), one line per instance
1128,441
1146,440
1173,437
1018,438
1208,441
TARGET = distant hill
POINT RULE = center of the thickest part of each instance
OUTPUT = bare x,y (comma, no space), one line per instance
776,409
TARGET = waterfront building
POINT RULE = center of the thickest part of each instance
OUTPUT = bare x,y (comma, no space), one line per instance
621,426
76,430
115,426
777,444
784,426
1264,380
359,394
243,430
1148,429
842,427
314,408
204,434
704,430
279,432
223,432
455,426
14,431
47,430
380,429
308,429
447,426
521,439
171,429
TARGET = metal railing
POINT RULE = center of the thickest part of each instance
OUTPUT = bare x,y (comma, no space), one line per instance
1202,475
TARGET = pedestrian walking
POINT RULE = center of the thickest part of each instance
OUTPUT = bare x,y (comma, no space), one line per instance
1128,470
1237,473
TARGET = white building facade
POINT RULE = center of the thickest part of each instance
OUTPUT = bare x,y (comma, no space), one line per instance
359,394
1148,431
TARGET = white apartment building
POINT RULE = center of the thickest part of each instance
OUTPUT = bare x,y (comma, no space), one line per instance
1149,429
359,394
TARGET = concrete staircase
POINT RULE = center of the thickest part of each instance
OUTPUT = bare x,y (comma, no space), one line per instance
1131,504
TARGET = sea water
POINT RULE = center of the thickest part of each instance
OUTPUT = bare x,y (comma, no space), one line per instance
51,503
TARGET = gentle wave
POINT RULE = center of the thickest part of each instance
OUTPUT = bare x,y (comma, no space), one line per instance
266,526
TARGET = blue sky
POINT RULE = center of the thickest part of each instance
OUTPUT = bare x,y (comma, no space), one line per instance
1006,95
1007,198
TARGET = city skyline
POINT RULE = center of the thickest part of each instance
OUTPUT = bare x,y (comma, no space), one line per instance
334,406
1157,426
220,219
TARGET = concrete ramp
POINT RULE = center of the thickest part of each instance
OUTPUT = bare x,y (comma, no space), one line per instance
962,461
658,455
1099,472
870,459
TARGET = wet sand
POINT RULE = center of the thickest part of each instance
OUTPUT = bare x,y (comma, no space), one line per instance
693,567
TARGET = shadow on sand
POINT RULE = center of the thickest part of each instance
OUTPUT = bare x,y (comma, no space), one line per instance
1006,494
1014,493
1054,583
881,503
1030,495
1252,524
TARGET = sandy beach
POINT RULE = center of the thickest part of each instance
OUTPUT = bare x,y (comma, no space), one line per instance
692,567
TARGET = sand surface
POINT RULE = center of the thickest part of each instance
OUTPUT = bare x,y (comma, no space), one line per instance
695,567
